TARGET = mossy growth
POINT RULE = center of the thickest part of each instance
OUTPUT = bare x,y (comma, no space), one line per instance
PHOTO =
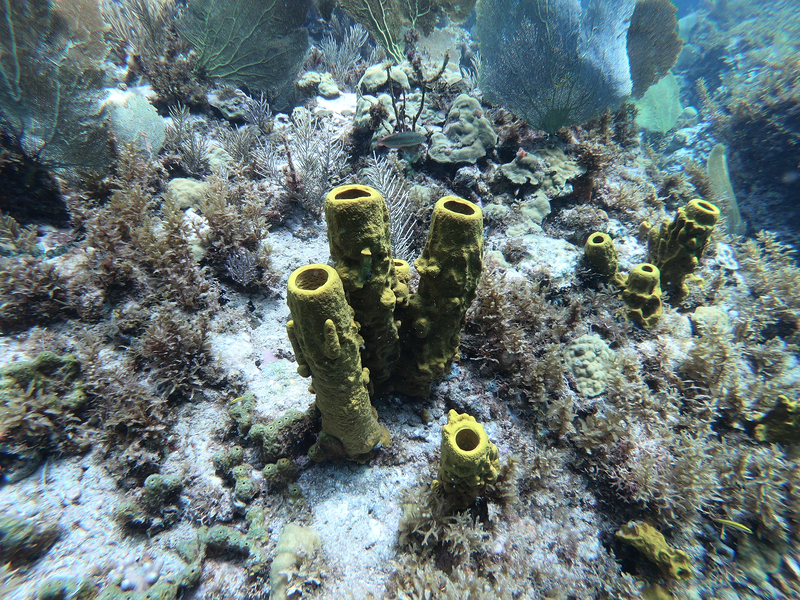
41,405
226,460
435,523
651,543
153,507
55,588
23,539
160,490
224,540
246,488
642,295
677,247
241,411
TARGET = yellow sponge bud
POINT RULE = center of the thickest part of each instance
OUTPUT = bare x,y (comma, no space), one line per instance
469,460
642,294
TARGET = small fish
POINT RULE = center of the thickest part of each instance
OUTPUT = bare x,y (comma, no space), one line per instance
404,139
733,524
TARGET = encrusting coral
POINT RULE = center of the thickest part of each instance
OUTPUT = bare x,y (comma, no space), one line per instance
589,359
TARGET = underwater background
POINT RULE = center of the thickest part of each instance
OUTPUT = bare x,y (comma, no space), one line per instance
403,299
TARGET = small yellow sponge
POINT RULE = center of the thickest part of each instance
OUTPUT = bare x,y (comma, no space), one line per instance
601,252
469,460
651,543
642,295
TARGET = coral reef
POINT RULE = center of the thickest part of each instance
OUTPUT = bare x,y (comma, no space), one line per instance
267,58
156,433
51,78
538,62
467,137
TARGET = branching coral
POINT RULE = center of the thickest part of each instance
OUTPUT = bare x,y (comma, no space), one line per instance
31,292
380,174
343,59
387,19
177,350
143,34
519,332
315,160
235,231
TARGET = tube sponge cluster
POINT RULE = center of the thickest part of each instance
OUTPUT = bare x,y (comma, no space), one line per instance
675,252
356,330
677,247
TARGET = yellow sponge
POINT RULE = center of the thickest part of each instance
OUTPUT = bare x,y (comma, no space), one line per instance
651,543
469,460
676,248
326,344
601,252
642,295
449,270
360,245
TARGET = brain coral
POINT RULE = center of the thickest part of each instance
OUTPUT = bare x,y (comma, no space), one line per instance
589,359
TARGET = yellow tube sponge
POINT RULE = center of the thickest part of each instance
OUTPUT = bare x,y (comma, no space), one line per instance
469,460
651,543
600,251
449,270
781,423
360,245
676,248
326,344
642,295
